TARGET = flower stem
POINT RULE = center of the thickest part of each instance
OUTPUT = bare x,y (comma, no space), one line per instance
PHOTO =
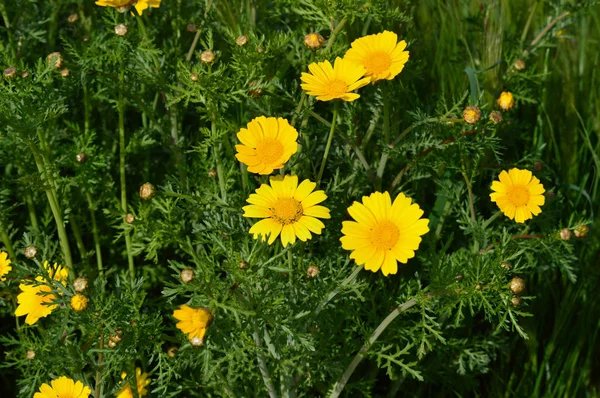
6,240
262,365
491,219
220,175
95,234
329,139
339,386
334,33
99,369
338,289
386,136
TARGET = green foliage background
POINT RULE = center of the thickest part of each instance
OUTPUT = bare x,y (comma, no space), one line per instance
461,335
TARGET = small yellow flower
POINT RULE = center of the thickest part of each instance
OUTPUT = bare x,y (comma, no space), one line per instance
518,194
381,55
384,232
288,209
63,387
79,302
193,321
267,144
472,114
35,299
314,41
140,5
328,82
506,101
142,381
4,265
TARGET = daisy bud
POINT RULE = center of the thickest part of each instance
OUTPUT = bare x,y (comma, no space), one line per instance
79,302
459,278
581,231
312,271
243,265
565,234
81,157
212,173
194,77
10,72
506,265
496,117
516,301
520,64
538,166
207,57
111,344
506,101
129,218
196,341
85,38
55,60
254,91
147,191
80,284
30,355
73,18
260,49
472,114
314,41
24,74
116,338
191,27
172,351
241,40
186,275
478,286
65,72
517,285
30,252
121,30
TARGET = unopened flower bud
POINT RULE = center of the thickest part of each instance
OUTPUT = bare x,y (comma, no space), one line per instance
111,344
196,341
520,64
10,72
260,49
30,355
207,57
496,117
79,302
191,27
254,90
212,173
581,231
65,72
506,265
538,165
472,114
186,275
81,157
172,351
85,38
147,191
314,41
73,18
516,301
312,271
478,286
517,285
243,265
565,234
55,60
116,338
80,284
30,252
129,218
24,74
241,40
194,77
121,30
506,101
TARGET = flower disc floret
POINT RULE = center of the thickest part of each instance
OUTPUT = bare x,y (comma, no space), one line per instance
267,144
63,387
288,209
518,194
328,82
4,265
383,233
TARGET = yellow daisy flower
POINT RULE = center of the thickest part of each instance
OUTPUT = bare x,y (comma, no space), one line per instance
142,382
193,321
140,5
381,55
518,194
35,299
384,232
288,209
506,101
267,144
79,302
63,387
328,82
4,265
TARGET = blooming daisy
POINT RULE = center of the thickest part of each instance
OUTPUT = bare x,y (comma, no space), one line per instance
193,322
267,144
63,387
328,82
384,232
142,382
506,101
4,265
381,55
518,194
124,5
288,209
35,299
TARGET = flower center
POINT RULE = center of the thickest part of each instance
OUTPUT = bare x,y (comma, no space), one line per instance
269,151
287,211
337,88
384,235
518,195
378,63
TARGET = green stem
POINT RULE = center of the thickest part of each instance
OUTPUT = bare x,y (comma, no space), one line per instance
262,365
339,386
329,139
95,234
78,239
338,289
334,33
224,383
386,136
6,240
31,209
491,220
220,175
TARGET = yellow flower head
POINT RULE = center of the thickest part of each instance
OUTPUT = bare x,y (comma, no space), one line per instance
63,387
193,321
140,5
79,302
142,381
267,144
506,101
518,194
328,82
288,209
381,55
35,299
4,265
384,232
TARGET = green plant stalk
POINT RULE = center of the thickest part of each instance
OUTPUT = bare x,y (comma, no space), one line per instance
224,384
31,209
7,243
262,365
95,234
386,136
329,140
334,33
127,232
78,239
220,175
337,290
339,386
